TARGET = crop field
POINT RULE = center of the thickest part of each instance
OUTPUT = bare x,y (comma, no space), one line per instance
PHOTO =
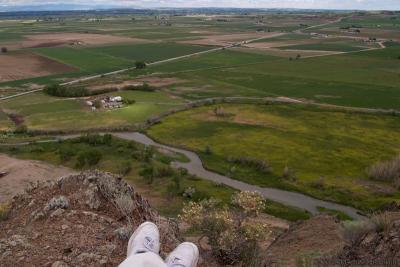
333,46
327,151
366,79
150,52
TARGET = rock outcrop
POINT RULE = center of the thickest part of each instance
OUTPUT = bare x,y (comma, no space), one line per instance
79,220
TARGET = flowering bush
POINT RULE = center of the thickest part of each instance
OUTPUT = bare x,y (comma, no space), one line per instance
250,202
232,232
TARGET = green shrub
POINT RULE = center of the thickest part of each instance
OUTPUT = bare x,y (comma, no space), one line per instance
259,165
148,173
93,156
352,231
21,129
80,160
95,139
140,64
66,153
233,234
144,87
125,167
128,101
90,157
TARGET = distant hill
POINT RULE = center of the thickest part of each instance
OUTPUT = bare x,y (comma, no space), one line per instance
58,7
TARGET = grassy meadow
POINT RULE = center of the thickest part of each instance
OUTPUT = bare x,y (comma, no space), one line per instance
327,152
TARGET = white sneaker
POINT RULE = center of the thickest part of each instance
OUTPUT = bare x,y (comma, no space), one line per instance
185,255
146,238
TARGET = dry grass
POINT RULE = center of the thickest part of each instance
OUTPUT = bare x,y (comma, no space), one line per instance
383,221
4,209
386,170
352,231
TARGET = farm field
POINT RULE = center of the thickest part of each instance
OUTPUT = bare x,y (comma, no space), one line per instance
44,113
327,152
366,79
334,46
28,65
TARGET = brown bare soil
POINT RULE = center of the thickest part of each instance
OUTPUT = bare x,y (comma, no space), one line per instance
26,65
151,80
286,53
159,81
226,39
23,172
59,39
317,236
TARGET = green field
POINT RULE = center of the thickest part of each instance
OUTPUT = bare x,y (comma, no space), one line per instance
109,58
339,46
149,52
86,60
367,79
46,113
328,151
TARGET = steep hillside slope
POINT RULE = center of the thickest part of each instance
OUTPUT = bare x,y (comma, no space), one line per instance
79,220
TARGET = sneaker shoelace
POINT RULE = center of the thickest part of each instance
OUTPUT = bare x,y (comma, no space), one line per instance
177,262
149,243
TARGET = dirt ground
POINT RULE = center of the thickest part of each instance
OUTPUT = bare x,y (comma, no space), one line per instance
159,81
59,39
226,39
151,80
318,236
22,172
286,53
26,65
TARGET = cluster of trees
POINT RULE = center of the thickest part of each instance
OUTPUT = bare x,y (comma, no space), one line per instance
144,87
62,91
140,65
4,50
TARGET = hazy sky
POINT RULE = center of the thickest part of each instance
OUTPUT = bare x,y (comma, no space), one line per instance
335,4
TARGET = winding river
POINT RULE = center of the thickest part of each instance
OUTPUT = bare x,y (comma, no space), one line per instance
195,167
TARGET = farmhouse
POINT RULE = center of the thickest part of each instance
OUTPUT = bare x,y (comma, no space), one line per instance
107,102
